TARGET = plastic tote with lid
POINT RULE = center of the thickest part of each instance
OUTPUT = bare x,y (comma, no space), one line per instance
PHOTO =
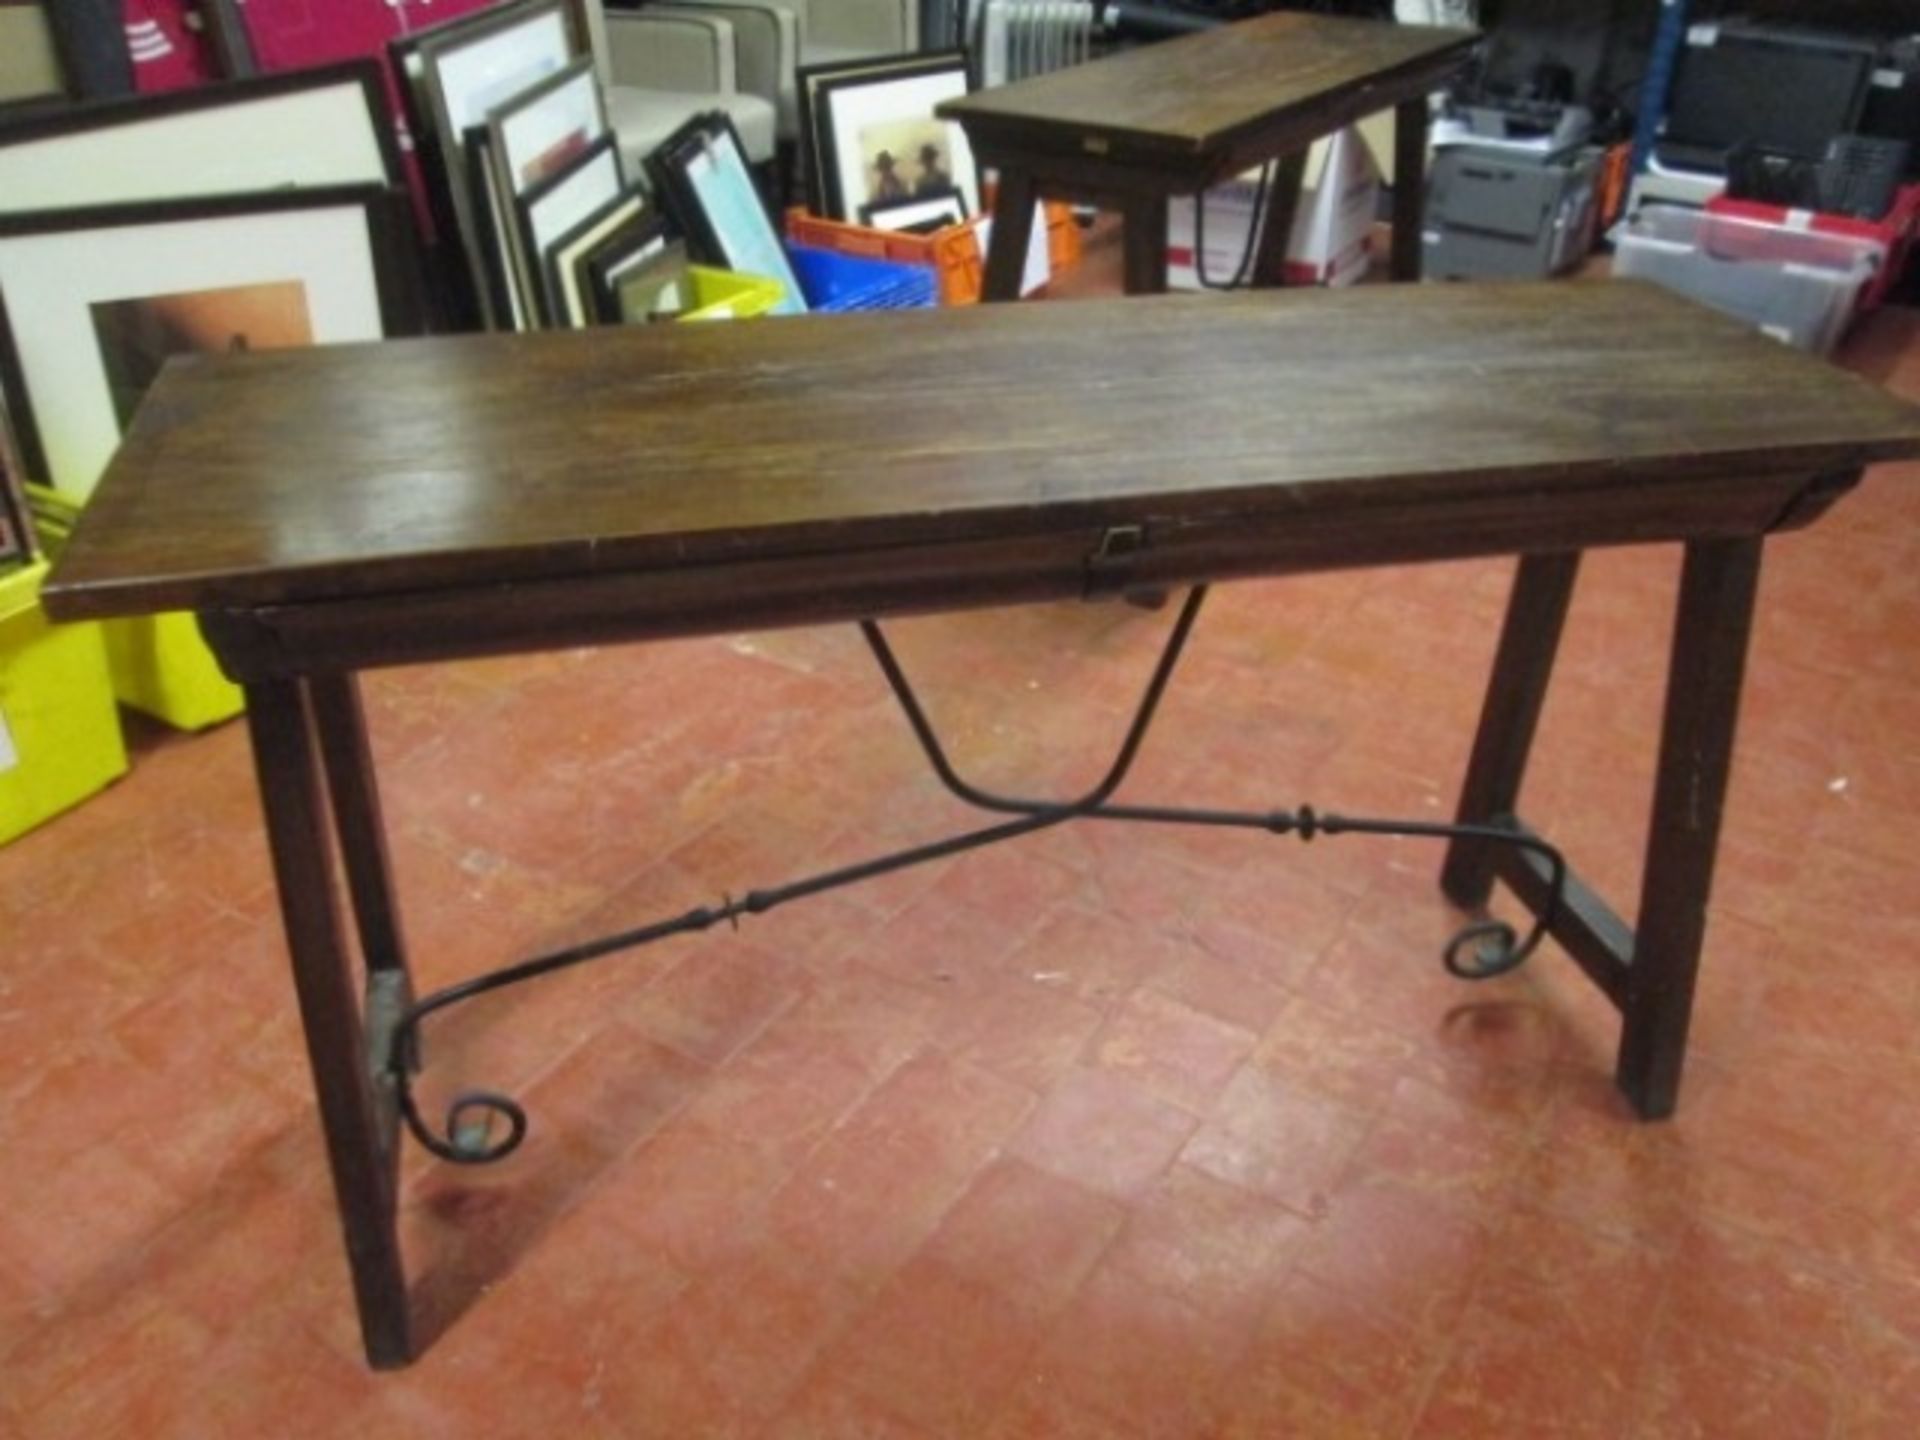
1795,285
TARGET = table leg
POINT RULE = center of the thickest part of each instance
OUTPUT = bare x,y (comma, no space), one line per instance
355,796
1409,186
1717,588
1144,237
364,1166
1536,614
1013,204
1276,229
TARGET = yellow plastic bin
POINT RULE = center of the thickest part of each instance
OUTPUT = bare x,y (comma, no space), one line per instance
59,733
159,663
729,295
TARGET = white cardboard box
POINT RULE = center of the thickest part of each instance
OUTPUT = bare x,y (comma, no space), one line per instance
1338,201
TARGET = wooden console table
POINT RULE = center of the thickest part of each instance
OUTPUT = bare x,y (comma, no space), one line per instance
331,510
1172,118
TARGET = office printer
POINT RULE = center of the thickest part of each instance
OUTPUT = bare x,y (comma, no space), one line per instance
1507,201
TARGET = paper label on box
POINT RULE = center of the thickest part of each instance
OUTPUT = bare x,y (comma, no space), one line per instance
9,752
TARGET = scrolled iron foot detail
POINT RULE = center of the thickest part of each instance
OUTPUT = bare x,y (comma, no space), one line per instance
1485,949
468,1136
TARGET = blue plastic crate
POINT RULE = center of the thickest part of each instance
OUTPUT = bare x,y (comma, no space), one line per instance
833,282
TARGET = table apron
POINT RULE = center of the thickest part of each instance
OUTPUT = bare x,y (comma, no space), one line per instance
1132,547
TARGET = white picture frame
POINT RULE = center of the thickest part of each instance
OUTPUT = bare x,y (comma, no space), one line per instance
921,214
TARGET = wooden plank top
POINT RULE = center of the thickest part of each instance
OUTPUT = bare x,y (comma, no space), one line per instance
1202,91
429,465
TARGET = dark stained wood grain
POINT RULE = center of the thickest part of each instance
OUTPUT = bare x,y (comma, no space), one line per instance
1313,419
1202,92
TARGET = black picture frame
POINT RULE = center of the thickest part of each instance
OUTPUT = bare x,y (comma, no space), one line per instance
391,245
819,162
668,170
631,212
601,270
34,125
603,155
488,229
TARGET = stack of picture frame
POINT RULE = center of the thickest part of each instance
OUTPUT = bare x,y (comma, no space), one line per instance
873,151
511,133
251,215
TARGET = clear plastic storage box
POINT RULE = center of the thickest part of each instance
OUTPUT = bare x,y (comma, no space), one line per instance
1798,286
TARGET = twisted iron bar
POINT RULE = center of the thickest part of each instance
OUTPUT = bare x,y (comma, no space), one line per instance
1479,951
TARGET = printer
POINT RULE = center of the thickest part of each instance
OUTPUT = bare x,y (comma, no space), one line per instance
1509,200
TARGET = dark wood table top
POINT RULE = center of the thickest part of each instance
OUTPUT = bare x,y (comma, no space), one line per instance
436,465
1201,92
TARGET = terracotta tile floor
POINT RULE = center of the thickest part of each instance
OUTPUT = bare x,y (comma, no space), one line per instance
1109,1134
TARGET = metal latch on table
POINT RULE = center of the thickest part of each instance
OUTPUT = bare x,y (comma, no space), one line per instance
1111,563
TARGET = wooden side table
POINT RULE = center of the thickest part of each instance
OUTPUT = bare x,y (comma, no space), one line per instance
1131,131
333,510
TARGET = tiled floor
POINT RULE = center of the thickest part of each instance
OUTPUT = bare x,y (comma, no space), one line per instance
1110,1133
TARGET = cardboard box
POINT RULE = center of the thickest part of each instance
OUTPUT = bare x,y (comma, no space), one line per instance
1338,201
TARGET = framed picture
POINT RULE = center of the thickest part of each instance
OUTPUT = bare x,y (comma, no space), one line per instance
701,174
469,70
571,305
490,225
639,281
808,82
94,302
921,216
555,207
535,136
315,128
880,143
546,127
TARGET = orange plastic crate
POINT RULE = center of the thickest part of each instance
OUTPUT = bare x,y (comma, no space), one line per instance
953,252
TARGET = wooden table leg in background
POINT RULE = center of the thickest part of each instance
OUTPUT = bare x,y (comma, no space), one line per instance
1013,204
1717,587
1536,614
1409,186
1143,217
360,1144
1276,229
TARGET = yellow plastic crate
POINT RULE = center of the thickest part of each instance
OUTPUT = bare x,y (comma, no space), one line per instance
729,295
59,733
160,665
